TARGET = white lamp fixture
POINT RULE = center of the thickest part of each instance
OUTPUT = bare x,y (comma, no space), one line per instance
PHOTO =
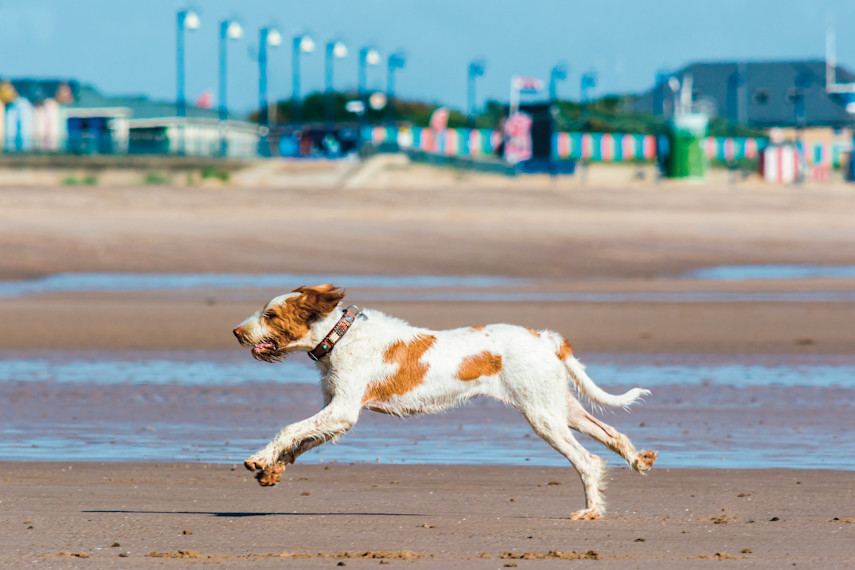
339,50
307,44
234,31
372,57
274,38
191,20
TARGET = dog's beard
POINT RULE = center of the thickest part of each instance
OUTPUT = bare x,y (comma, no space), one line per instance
268,351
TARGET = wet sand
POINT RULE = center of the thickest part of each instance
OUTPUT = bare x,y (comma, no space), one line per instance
591,239
153,515
579,239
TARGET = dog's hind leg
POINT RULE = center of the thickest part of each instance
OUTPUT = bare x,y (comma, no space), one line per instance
553,428
580,420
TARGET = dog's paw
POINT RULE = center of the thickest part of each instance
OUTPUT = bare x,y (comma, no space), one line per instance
587,515
255,464
271,475
645,460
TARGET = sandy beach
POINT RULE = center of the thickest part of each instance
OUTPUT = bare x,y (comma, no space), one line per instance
629,244
153,515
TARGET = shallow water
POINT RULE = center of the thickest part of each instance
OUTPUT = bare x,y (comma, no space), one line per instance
117,282
629,297
745,272
221,407
438,288
209,368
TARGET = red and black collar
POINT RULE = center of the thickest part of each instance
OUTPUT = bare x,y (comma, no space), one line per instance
344,323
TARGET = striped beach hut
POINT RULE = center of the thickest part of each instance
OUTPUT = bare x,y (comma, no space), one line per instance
19,125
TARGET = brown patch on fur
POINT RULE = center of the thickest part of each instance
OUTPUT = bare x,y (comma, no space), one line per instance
271,475
566,350
646,459
290,320
479,328
586,515
482,364
410,373
534,333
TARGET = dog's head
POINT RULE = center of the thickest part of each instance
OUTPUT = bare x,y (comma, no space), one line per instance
284,323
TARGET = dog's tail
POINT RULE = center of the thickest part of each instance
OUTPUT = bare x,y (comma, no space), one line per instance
596,394
583,382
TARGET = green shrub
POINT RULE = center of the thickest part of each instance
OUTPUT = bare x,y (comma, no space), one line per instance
88,180
153,177
216,173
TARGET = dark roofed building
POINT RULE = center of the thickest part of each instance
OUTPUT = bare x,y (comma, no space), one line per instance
760,93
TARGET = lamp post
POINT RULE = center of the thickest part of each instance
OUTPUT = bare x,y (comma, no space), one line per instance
558,73
335,50
664,84
588,82
803,82
476,69
300,44
267,37
735,81
229,30
186,20
396,61
367,56
662,77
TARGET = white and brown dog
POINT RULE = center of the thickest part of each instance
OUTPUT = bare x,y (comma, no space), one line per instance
386,365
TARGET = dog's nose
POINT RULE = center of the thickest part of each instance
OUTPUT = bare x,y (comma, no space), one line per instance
238,332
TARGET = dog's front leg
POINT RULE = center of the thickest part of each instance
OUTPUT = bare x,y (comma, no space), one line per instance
331,422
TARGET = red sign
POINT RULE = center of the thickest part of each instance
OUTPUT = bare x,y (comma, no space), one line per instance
518,138
439,119
525,84
205,100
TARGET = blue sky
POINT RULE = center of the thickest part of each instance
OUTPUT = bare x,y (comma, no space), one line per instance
128,46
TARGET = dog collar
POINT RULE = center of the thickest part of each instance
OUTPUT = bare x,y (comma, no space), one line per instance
344,323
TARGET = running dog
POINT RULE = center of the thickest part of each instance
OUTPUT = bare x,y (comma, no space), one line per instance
371,360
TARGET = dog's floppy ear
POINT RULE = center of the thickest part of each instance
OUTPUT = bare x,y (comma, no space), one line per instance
320,299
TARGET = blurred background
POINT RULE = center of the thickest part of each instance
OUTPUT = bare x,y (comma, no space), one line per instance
667,184
757,87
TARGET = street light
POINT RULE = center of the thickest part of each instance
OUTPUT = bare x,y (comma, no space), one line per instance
804,80
396,61
229,30
266,37
301,44
186,20
588,82
735,81
335,50
367,56
558,73
476,69
663,76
